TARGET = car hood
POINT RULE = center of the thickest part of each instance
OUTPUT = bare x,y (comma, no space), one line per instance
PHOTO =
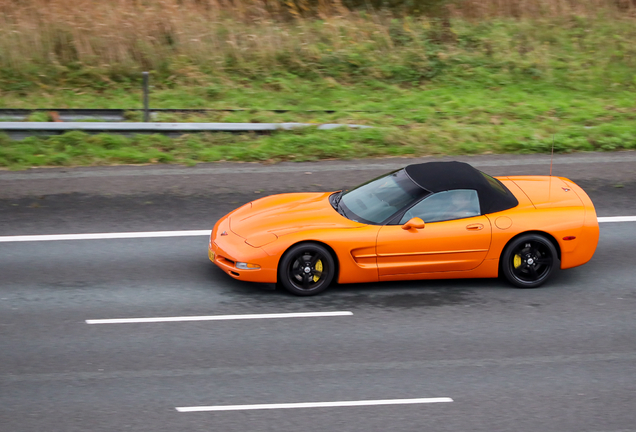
282,214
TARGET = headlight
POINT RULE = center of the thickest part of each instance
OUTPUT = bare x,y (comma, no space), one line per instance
259,240
247,266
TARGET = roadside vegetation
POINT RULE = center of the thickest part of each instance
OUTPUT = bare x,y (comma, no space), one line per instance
433,76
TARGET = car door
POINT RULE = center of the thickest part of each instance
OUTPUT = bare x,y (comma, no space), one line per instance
456,237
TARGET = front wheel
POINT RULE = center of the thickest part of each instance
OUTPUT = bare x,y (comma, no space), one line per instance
529,260
306,269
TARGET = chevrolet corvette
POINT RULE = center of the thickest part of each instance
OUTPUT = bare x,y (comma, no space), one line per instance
435,220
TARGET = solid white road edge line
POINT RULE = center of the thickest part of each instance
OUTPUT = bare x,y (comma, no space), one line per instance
617,219
190,233
103,236
315,404
219,317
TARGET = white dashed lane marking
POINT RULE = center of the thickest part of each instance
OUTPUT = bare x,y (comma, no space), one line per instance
219,317
315,404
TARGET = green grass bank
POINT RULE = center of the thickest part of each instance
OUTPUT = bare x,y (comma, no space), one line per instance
500,85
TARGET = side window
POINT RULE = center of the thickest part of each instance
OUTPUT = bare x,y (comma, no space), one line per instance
447,205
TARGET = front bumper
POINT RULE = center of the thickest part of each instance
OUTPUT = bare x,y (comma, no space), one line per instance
226,250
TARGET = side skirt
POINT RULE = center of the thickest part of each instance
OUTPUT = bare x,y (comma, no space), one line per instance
487,269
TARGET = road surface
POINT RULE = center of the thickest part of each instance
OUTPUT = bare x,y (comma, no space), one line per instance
459,355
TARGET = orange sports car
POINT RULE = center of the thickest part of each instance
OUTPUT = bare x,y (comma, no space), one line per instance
435,220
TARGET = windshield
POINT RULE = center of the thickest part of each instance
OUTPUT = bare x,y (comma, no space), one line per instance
376,201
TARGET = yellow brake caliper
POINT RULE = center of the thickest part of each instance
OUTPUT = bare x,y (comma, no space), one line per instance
318,268
516,261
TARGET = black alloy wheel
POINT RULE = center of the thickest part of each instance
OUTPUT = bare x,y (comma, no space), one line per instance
528,260
306,269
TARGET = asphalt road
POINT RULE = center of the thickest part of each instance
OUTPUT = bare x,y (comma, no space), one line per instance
558,358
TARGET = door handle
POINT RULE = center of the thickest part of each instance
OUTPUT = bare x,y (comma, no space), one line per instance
475,227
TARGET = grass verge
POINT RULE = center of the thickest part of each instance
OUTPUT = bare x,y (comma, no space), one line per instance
502,85
435,119
310,144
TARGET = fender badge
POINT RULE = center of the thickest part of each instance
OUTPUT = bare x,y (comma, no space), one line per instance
566,189
224,233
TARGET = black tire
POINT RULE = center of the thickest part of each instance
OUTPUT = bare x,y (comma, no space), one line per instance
529,260
299,271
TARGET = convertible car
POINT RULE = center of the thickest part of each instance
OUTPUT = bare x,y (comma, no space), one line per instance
435,220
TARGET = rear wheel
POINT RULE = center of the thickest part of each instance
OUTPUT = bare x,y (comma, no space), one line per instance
529,260
306,269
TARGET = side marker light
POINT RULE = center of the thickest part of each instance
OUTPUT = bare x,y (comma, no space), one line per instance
569,238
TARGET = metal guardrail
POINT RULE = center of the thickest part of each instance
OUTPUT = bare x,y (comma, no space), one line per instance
119,114
21,130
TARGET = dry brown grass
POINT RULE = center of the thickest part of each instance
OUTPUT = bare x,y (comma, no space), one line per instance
539,8
131,33
190,36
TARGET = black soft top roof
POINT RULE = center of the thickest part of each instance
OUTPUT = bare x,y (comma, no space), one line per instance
442,176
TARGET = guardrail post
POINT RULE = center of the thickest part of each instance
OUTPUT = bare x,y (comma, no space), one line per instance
145,86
